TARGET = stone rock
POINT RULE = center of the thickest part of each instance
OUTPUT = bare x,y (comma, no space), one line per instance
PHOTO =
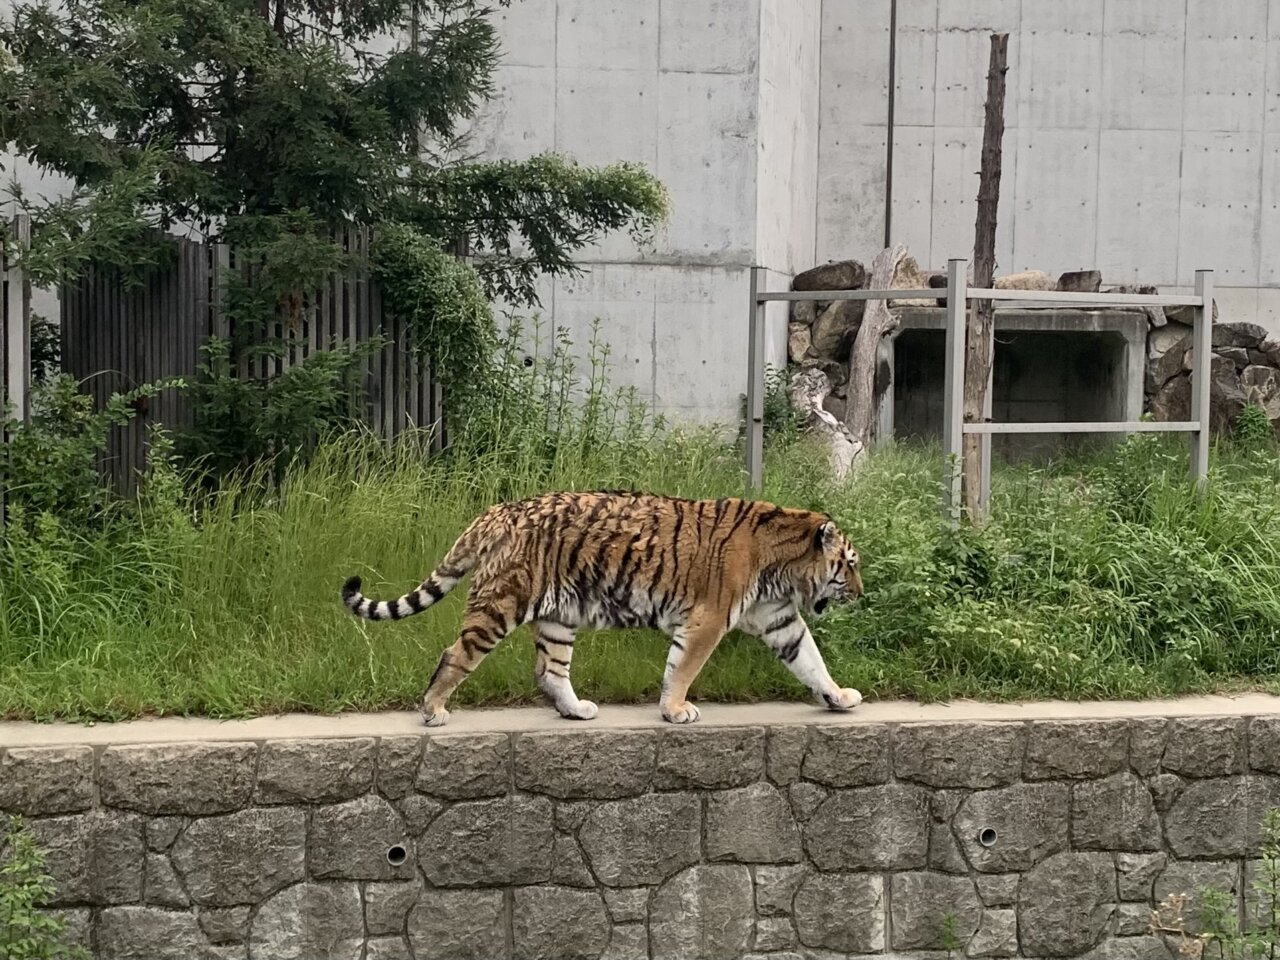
627,903
710,758
314,771
1080,281
459,925
351,841
751,825
398,761
387,948
605,764
1186,314
642,840
1205,822
1236,333
196,779
1132,919
387,906
43,781
1262,794
1261,386
1130,948
225,924
150,933
944,852
162,831
870,828
809,390
568,866
842,912
1193,878
557,923
1237,355
1114,814
833,275
1264,744
94,858
1165,350
967,755
836,406
907,275
784,752
1172,402
804,312
703,913
848,756
1025,280
1226,398
997,935
1030,822
1065,904
629,941
1076,749
489,843
311,921
921,902
1147,738
836,328
465,767
998,890
806,798
571,813
161,885
776,888
1165,788
799,340
774,933
242,857
418,812
1136,874
1205,746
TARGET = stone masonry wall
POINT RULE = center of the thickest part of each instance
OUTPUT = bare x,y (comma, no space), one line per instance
1038,839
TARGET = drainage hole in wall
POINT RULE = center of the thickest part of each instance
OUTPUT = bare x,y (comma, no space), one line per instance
397,855
987,837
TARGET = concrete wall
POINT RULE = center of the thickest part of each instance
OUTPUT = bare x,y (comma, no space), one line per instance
1137,138
1044,838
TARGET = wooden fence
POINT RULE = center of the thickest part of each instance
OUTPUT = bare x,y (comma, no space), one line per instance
115,338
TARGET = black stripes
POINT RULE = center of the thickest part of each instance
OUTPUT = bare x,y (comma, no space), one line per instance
781,623
432,589
789,651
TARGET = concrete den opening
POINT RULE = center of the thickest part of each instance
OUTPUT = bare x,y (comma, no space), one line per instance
1050,365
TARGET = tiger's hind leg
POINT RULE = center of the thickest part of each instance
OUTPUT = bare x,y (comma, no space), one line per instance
486,621
691,646
555,655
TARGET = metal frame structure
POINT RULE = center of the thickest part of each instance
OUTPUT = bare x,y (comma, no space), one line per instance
959,297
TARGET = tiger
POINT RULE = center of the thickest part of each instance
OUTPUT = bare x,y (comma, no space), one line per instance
694,569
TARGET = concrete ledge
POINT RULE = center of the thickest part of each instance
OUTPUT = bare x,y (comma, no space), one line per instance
466,720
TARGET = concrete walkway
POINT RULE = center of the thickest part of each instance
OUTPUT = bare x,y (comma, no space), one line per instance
524,719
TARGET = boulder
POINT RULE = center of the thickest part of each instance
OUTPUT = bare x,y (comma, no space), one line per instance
1080,281
1025,280
1184,314
835,329
1261,385
834,275
799,340
1237,334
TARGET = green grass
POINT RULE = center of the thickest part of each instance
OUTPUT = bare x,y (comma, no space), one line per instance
1101,577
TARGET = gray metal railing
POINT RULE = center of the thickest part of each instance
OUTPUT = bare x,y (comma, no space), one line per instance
959,296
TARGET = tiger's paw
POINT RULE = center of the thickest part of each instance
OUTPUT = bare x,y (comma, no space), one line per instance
582,710
845,699
685,713
434,718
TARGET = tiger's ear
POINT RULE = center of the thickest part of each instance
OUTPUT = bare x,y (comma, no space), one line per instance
823,536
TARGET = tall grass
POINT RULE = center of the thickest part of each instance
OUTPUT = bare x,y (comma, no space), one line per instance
1096,578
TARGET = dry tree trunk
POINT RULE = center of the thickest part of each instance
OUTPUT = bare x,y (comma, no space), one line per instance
876,322
980,345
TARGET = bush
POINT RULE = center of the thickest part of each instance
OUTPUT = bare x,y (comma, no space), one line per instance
26,931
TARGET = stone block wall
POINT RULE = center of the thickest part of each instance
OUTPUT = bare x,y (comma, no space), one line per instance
1037,839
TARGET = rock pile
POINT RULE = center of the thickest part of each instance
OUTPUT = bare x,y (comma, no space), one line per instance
1245,362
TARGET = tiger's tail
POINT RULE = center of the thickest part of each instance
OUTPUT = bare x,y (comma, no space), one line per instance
444,578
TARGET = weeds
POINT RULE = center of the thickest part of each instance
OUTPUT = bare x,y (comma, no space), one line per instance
26,931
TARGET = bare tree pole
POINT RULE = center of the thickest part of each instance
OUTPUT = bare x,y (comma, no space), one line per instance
981,339
877,322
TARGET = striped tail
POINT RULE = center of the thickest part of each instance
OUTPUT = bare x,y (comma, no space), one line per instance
431,590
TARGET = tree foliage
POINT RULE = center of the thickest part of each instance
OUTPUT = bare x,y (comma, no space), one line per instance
268,124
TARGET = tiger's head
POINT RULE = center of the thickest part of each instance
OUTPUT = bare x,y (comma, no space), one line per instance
833,570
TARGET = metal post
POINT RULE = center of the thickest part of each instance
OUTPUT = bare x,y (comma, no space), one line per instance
1202,345
17,327
953,390
755,387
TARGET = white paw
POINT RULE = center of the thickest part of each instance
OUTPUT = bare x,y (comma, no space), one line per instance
845,699
582,710
437,719
685,714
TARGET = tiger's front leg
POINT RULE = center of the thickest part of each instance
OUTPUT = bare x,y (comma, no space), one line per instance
787,635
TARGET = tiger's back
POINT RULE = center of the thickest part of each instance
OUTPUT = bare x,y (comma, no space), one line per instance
692,568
